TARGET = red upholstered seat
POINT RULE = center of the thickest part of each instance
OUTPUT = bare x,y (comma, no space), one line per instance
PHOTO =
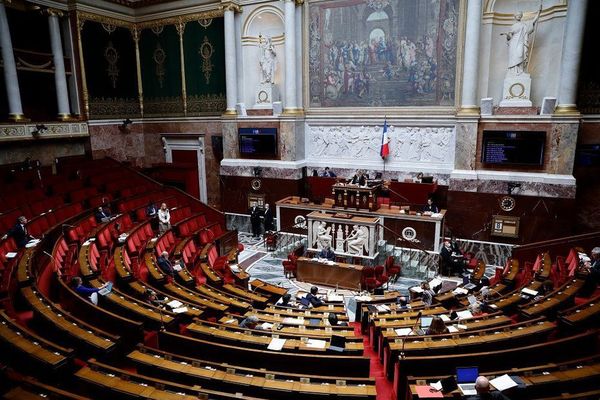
369,282
391,269
380,275
290,266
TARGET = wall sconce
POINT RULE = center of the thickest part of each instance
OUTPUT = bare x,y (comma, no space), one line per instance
257,171
125,125
39,129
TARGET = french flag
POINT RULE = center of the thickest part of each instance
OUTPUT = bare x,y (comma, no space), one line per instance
385,141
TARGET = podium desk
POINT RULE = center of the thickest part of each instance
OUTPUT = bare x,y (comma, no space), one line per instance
346,276
347,195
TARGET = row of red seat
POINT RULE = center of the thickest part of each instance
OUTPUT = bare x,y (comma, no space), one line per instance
190,225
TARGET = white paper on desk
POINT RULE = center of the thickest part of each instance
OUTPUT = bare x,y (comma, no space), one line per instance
437,215
234,268
363,298
503,382
174,304
466,314
230,321
416,289
276,344
435,282
266,326
180,310
316,343
529,292
177,268
292,321
403,331
382,308
445,318
436,385
460,290
335,297
452,329
11,254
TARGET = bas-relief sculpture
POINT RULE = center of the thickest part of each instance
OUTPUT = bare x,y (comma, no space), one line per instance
362,143
355,242
382,53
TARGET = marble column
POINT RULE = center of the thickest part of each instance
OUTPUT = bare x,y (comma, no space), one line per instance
571,56
299,51
15,109
230,57
290,57
60,77
470,77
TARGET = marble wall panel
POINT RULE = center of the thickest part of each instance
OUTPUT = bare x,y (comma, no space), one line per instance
230,139
45,151
563,138
466,145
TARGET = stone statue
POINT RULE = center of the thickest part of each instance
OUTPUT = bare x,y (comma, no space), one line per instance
357,240
519,38
267,58
322,233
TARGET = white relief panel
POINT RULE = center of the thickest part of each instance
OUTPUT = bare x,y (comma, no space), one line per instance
426,146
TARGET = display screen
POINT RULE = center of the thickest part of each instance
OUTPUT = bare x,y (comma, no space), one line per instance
513,148
258,142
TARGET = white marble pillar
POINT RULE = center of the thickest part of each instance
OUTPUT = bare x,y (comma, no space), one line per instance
471,59
571,56
60,77
230,57
290,57
15,109
299,64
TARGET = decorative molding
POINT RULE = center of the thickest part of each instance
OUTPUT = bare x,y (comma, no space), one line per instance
55,130
87,16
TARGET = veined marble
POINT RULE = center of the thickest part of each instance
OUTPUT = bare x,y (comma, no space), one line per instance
270,168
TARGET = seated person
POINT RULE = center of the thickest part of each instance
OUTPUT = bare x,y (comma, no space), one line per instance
313,299
452,261
333,320
286,301
327,253
151,297
546,288
19,232
250,322
437,327
102,215
328,173
360,178
430,207
592,269
427,296
164,264
151,210
85,291
402,302
482,386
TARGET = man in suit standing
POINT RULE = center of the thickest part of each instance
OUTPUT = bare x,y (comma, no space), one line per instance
268,215
19,232
255,220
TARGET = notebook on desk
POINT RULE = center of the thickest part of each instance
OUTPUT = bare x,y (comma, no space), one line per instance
465,378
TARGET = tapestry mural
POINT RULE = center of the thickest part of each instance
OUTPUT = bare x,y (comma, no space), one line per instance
382,53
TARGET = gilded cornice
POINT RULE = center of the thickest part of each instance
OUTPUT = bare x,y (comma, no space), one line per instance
230,6
86,16
496,18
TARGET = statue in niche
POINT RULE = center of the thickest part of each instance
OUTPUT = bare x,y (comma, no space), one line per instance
357,240
520,38
267,58
323,235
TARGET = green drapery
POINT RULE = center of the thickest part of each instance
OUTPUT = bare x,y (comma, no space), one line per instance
160,61
111,72
204,52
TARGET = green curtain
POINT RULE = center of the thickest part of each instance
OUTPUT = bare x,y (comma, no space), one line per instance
204,52
161,71
111,72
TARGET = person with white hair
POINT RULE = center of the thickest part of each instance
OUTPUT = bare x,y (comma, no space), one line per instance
592,268
250,322
164,264
482,386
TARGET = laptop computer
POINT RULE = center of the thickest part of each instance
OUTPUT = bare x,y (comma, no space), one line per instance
338,343
425,322
465,378
106,290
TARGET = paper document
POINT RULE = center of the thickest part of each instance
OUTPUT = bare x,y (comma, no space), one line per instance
436,385
316,343
435,282
293,321
11,254
335,298
503,382
363,298
416,289
529,292
452,329
276,344
177,268
266,326
382,308
174,304
460,290
403,331
180,310
427,392
445,318
466,314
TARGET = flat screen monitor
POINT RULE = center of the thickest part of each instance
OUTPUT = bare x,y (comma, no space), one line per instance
524,148
258,142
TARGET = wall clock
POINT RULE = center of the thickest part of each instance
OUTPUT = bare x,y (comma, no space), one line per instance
256,184
507,203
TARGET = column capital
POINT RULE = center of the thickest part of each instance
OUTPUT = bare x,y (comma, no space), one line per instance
299,2
227,5
53,12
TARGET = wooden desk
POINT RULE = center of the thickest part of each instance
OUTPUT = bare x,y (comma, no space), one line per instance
347,276
353,196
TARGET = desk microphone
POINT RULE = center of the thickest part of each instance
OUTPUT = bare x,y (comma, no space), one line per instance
402,356
56,268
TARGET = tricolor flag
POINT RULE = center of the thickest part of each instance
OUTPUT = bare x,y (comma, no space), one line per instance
385,141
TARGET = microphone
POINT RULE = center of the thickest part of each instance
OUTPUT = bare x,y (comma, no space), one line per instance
402,355
69,225
56,267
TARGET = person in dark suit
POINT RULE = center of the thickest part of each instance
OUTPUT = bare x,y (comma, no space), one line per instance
482,386
164,264
327,253
313,299
333,320
151,210
102,215
592,267
327,173
359,178
452,260
431,207
268,215
19,232
255,220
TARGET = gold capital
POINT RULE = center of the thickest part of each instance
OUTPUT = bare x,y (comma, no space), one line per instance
53,12
230,6
469,111
566,110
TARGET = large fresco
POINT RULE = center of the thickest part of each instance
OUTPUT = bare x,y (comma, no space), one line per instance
382,53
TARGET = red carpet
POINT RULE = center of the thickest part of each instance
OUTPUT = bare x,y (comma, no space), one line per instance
383,386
